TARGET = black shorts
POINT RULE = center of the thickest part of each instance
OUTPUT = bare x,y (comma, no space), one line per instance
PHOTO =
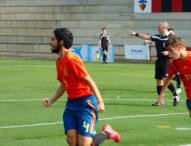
161,69
104,48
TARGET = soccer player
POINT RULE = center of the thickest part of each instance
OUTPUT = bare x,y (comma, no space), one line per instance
84,99
180,62
161,63
177,76
104,41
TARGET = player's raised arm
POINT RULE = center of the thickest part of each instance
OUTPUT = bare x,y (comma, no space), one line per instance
140,35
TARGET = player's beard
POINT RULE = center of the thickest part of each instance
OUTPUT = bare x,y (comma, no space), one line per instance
55,49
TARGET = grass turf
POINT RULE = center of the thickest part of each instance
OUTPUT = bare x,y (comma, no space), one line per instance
127,89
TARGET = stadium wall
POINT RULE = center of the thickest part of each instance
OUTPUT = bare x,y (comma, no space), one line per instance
26,25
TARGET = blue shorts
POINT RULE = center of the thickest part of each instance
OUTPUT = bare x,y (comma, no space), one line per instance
188,103
82,115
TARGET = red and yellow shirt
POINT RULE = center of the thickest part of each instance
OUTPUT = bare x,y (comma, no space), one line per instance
184,68
70,72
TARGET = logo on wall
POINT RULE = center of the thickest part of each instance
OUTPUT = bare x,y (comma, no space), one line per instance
142,4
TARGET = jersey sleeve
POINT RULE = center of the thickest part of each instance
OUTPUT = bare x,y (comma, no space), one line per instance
108,37
153,38
59,77
79,68
100,36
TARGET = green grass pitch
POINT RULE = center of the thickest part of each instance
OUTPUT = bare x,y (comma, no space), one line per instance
128,91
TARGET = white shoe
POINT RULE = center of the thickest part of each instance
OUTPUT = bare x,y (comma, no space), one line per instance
178,90
176,100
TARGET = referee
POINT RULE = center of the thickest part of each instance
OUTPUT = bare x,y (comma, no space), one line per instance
161,64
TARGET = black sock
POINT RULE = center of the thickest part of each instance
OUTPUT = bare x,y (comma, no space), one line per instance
104,57
172,89
159,89
99,138
178,81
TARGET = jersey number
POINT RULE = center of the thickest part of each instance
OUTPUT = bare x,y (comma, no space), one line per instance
86,126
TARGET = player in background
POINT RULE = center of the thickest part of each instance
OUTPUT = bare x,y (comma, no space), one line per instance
161,63
180,62
84,100
104,44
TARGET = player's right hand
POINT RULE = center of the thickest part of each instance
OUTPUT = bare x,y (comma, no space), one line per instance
47,102
101,107
161,99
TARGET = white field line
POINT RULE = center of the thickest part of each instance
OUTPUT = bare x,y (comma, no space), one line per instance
112,99
103,119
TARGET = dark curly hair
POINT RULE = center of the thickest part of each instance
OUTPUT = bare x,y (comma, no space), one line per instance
65,35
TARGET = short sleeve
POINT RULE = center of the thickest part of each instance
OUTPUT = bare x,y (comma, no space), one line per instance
108,37
59,77
100,36
79,68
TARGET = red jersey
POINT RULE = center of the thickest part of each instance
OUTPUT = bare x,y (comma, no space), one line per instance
70,72
184,68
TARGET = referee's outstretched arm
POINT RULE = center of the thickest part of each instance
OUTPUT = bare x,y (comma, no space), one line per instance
139,35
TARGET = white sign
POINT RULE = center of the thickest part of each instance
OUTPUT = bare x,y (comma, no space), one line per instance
142,6
137,52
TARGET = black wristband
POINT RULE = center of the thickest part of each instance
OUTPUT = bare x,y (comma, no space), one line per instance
137,34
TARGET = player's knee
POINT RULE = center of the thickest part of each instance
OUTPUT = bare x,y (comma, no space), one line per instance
84,141
72,140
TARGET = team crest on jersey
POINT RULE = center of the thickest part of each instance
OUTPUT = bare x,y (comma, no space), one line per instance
142,4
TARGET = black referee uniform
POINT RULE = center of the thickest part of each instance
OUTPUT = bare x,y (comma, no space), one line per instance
104,44
161,64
